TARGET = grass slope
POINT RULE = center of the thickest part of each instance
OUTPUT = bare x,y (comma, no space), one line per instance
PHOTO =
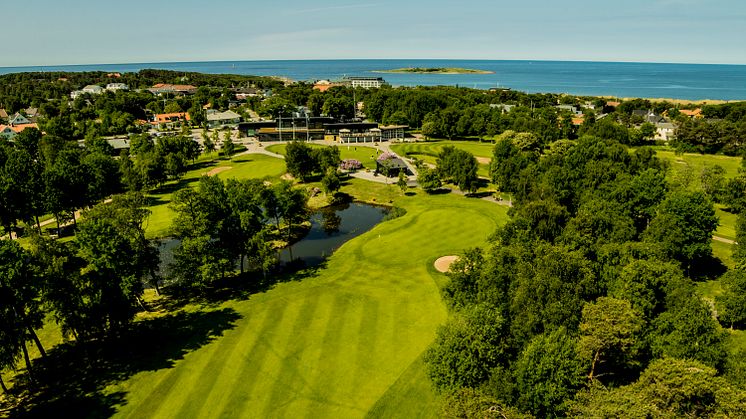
335,343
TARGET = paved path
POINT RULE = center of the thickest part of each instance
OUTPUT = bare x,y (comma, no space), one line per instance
723,239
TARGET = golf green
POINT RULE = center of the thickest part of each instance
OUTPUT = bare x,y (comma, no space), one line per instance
345,341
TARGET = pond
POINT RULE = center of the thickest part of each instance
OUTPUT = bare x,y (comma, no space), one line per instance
331,227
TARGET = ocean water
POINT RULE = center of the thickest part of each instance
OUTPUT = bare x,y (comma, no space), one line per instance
650,80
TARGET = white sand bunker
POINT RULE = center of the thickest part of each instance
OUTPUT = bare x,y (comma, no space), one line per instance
217,170
483,160
444,263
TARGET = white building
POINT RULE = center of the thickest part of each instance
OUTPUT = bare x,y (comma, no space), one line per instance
91,89
113,87
365,82
664,131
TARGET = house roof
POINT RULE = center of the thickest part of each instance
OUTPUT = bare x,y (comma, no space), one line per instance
613,103
169,117
3,113
165,87
18,128
691,113
222,116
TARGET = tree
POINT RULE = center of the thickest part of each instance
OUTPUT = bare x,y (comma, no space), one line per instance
669,387
731,304
610,330
459,167
325,158
550,290
429,180
299,160
712,180
330,183
548,373
207,143
228,146
402,181
467,348
684,226
739,248
20,308
688,331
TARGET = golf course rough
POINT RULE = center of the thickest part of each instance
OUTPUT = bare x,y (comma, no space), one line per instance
337,343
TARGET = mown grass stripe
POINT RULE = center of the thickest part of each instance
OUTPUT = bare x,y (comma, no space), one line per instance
250,369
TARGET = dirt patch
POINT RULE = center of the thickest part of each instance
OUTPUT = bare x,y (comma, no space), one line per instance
442,264
217,170
483,160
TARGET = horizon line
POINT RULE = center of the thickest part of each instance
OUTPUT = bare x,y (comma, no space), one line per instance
367,59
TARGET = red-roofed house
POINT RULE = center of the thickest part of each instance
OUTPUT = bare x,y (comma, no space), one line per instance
694,113
10,131
170,120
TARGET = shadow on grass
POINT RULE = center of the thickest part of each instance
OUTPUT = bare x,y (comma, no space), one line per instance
71,381
707,269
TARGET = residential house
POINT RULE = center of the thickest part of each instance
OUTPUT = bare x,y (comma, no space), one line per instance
571,108
664,131
170,120
19,119
10,131
648,116
173,89
217,119
693,113
505,108
91,89
114,87
324,85
247,92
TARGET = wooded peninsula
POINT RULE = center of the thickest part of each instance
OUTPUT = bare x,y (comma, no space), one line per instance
436,70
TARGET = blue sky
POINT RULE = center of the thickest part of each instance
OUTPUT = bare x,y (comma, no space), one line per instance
46,32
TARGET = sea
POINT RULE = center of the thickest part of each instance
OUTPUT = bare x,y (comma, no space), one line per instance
618,79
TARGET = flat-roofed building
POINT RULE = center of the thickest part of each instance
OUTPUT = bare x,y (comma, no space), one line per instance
365,82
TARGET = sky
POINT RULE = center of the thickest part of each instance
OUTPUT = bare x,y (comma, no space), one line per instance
54,32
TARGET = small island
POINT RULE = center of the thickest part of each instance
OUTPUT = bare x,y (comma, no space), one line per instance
435,70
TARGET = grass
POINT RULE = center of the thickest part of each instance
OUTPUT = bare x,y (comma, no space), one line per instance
428,151
727,227
697,162
344,342
366,155
246,166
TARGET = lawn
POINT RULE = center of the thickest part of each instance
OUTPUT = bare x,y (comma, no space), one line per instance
246,166
346,341
366,155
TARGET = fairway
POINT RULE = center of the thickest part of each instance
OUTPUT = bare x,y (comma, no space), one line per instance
365,155
428,152
697,162
344,342
245,166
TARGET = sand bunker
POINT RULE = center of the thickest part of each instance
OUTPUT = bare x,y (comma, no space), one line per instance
217,170
444,263
483,160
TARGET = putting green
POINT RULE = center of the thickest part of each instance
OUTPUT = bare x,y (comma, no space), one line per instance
337,343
